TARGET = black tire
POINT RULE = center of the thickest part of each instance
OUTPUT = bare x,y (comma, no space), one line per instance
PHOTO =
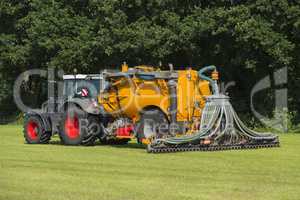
94,131
152,123
34,130
74,127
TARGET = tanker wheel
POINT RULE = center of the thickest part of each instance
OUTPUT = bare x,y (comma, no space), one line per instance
34,131
153,123
75,127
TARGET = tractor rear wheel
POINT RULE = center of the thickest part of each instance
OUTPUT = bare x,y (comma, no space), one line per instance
153,123
75,127
34,130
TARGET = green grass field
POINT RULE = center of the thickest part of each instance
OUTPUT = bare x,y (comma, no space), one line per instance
127,173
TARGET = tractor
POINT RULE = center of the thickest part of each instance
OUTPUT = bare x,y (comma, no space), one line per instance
61,114
166,110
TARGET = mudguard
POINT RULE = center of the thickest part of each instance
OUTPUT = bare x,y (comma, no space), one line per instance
86,104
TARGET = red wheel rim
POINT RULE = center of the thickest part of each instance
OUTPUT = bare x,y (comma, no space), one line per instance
32,130
72,127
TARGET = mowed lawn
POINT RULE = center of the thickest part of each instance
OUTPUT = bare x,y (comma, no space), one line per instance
102,172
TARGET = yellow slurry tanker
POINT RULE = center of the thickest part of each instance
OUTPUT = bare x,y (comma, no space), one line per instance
174,111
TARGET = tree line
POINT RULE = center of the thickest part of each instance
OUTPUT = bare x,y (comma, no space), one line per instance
247,40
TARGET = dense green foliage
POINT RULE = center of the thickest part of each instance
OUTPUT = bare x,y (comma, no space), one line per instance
62,172
247,39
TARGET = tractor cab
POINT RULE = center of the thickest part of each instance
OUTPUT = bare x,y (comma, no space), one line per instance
82,85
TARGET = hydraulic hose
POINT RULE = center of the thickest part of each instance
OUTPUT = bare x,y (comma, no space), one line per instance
212,82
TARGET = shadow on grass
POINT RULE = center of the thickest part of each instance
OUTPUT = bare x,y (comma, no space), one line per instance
130,145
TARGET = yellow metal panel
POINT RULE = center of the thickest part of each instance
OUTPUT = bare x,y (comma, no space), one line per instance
130,97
